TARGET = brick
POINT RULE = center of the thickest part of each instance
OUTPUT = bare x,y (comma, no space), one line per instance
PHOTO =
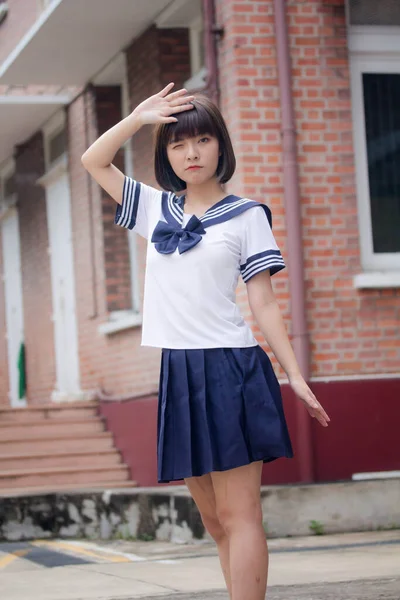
250,100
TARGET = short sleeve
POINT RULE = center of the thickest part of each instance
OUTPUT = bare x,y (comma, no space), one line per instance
259,250
138,200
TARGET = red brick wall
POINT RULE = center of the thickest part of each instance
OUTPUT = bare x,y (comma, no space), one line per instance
21,16
87,247
4,380
115,364
352,331
153,60
116,249
35,266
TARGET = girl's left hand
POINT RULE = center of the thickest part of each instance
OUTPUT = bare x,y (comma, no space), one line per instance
311,403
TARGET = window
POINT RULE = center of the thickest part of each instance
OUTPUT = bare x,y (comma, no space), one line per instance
188,14
375,88
123,300
55,140
57,145
128,169
198,69
9,186
8,191
372,12
381,93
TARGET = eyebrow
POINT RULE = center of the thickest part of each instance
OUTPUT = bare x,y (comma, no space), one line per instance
183,137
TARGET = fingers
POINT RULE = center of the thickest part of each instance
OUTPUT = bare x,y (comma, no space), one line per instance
321,419
183,107
179,101
165,91
322,412
176,95
320,415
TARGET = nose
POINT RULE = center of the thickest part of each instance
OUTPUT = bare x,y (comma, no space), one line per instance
192,152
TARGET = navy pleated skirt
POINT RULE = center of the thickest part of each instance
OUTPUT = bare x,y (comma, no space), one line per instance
218,409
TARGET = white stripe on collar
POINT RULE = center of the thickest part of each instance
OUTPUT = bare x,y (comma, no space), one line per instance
226,208
174,208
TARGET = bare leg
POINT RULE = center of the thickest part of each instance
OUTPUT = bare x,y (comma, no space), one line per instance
202,492
237,494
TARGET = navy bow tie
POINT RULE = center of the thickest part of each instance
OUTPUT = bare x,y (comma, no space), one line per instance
167,238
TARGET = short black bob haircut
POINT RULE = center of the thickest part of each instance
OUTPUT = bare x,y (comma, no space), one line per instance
204,118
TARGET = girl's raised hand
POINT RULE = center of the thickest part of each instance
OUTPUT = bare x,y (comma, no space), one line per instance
160,107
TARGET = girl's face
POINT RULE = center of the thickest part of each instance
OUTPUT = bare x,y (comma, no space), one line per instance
194,159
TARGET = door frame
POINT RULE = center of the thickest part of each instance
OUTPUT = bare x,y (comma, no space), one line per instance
6,205
53,171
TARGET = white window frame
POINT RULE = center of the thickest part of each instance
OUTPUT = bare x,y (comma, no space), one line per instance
198,69
132,236
372,50
177,15
120,320
52,128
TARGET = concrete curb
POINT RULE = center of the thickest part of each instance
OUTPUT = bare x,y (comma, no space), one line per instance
168,512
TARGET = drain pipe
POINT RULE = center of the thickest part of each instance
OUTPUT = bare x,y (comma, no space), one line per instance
294,239
211,31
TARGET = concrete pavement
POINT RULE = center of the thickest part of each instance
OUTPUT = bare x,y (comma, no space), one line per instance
341,567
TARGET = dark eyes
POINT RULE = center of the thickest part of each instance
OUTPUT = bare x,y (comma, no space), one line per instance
201,140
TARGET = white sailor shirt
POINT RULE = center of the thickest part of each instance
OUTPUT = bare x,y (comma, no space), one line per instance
193,265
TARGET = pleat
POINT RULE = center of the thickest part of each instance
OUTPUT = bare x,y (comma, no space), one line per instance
219,408
264,421
162,450
201,427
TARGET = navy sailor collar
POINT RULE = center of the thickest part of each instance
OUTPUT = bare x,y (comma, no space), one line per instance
224,210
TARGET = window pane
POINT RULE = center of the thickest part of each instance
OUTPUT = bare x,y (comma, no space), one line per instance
57,146
9,186
374,12
382,121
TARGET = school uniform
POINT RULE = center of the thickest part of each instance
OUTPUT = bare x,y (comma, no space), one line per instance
219,403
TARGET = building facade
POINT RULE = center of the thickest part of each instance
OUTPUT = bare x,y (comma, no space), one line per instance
310,91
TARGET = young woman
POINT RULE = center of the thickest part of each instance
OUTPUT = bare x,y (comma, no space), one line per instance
220,412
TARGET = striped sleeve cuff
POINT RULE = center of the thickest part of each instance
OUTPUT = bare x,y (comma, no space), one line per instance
126,212
270,259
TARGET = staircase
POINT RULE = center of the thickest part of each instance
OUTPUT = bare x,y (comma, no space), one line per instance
51,448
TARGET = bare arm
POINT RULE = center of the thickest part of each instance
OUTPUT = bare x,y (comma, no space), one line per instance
156,109
266,312
98,158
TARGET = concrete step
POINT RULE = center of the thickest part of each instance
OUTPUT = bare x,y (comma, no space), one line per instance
54,477
74,442
73,488
50,428
73,410
99,458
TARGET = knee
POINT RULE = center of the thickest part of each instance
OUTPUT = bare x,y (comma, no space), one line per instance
214,527
234,517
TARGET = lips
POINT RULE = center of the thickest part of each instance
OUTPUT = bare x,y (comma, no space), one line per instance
194,168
